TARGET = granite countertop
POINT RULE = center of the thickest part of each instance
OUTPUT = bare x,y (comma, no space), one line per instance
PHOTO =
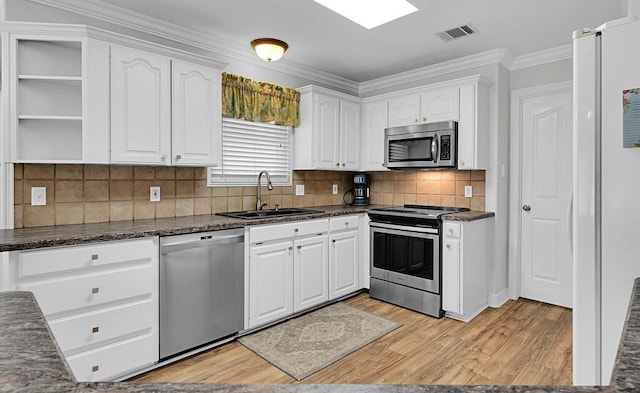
30,361
467,216
64,235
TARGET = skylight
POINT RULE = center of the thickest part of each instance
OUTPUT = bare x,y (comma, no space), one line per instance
370,13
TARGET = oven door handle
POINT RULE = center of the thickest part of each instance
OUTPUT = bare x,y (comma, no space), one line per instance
412,228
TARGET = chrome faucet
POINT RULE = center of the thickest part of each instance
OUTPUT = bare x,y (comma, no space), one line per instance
259,202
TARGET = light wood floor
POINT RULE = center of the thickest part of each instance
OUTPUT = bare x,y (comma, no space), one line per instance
523,342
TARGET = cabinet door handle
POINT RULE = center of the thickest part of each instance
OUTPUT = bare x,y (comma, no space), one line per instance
95,290
295,230
299,247
95,368
95,329
333,241
164,157
424,118
178,156
449,246
337,164
346,224
290,248
415,120
526,208
344,164
94,257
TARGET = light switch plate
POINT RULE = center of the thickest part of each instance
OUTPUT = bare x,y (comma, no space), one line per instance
154,194
335,189
468,191
299,189
38,196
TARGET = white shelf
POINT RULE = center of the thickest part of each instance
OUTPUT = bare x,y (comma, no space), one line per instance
48,117
50,77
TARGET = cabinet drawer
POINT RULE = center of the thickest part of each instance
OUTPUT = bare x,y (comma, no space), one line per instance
283,231
452,230
105,326
109,362
33,263
92,290
340,223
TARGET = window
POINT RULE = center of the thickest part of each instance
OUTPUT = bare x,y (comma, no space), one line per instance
249,148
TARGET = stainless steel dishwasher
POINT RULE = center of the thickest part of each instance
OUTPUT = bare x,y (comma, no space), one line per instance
201,289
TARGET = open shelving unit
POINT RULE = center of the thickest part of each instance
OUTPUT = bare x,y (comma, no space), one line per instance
48,110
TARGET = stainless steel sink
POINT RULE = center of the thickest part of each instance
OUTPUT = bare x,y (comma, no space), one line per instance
257,214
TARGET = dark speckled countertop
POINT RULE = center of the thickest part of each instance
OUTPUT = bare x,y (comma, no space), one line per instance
28,238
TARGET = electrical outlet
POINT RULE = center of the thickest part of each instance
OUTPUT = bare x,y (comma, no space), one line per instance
468,191
154,194
299,189
38,196
335,189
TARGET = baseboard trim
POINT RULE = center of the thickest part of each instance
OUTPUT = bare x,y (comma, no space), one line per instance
496,300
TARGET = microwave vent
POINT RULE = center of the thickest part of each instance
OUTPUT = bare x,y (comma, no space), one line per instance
456,32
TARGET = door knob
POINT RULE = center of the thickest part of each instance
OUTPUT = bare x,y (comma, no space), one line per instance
526,208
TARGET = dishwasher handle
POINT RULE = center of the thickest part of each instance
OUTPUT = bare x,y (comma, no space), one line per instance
204,241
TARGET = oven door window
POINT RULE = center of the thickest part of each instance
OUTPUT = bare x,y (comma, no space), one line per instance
404,254
409,150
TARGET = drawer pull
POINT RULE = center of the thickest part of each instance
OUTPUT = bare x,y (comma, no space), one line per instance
299,247
95,369
95,329
290,248
346,224
333,241
95,290
295,230
94,257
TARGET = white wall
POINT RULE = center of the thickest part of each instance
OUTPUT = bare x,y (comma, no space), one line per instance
557,71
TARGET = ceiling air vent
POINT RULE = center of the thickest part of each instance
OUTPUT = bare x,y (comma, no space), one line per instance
456,32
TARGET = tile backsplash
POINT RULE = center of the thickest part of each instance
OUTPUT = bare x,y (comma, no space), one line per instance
78,194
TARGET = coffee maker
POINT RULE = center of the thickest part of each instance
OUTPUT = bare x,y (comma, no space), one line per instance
360,189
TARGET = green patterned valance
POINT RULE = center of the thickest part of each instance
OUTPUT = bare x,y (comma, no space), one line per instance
245,99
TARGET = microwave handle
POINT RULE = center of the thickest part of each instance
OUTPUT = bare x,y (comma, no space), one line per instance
434,149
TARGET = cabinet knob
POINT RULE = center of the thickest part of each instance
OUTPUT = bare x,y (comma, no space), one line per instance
164,157
290,248
449,246
95,329
95,368
344,164
424,118
346,223
299,247
95,290
94,257
333,241
337,164
178,156
526,208
295,230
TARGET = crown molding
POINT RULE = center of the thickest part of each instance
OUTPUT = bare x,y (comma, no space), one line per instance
558,53
118,16
502,56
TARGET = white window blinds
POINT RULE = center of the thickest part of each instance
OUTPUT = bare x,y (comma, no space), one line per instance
249,148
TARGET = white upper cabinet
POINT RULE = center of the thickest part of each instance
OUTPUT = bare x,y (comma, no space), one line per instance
404,110
59,87
140,107
374,121
196,120
328,134
473,126
440,104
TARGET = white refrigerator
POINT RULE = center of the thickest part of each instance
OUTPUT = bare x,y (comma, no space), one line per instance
606,204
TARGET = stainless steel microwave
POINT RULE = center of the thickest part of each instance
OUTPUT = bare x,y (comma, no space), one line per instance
432,145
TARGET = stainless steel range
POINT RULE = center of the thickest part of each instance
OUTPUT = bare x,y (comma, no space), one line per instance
405,256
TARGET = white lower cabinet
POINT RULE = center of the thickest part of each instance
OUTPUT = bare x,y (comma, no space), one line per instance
344,259
310,273
100,300
466,255
270,282
300,265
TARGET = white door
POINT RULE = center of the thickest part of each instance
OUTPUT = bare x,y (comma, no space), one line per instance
404,111
140,107
270,283
546,261
327,128
310,278
343,268
374,121
196,119
440,105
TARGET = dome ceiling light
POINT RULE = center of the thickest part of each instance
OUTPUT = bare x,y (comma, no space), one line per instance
269,49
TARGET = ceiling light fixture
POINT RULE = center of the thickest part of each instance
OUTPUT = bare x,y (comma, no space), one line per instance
370,13
269,49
